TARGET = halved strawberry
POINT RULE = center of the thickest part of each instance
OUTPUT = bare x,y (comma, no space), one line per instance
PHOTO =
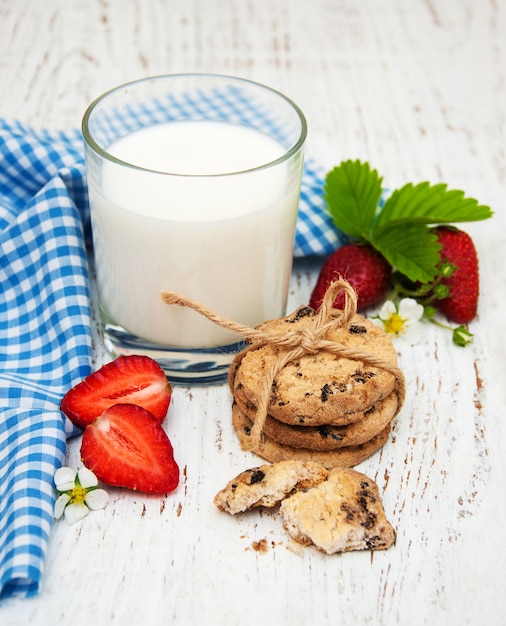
132,379
127,447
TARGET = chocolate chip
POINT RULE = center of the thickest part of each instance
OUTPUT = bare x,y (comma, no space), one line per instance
362,377
349,512
373,542
369,521
362,502
365,493
325,432
256,476
326,391
274,392
305,311
357,330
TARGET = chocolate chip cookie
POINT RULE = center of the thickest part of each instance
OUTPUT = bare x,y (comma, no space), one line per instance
323,388
340,514
267,485
274,451
328,436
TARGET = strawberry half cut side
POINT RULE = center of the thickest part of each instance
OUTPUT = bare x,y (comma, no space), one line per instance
127,447
131,379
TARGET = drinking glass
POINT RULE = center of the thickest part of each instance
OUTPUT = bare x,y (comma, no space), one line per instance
194,183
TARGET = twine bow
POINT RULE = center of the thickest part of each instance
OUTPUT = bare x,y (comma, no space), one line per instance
294,344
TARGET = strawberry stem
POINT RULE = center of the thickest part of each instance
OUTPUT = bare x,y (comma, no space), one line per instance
461,336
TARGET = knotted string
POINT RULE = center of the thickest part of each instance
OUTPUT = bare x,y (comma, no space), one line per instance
294,344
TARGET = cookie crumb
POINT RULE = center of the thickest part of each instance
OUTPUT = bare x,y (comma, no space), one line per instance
261,546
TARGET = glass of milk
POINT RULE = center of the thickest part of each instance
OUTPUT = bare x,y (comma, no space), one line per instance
194,183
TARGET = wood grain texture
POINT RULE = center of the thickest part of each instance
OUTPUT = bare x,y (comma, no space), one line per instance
416,88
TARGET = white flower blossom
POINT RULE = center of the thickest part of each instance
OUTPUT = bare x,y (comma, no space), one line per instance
79,493
402,322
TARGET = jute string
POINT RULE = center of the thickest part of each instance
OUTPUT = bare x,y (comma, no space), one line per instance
295,344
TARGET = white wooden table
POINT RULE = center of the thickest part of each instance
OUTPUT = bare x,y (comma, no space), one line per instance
418,89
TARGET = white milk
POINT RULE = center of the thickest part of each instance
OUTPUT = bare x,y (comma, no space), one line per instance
226,241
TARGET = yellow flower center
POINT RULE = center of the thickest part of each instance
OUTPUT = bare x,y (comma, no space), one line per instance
395,324
78,494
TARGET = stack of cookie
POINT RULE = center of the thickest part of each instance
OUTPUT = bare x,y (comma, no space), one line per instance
334,409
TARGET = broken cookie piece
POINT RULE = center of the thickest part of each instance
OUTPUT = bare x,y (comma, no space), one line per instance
340,514
267,485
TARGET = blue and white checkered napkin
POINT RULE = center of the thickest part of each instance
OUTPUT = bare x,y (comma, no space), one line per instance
45,344
45,330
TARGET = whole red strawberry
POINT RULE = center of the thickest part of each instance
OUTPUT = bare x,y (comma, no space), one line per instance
458,250
367,271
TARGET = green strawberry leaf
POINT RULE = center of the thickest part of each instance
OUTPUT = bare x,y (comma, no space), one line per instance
352,192
400,228
429,204
410,248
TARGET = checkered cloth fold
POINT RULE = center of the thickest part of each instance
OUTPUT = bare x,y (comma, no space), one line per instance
45,329
45,344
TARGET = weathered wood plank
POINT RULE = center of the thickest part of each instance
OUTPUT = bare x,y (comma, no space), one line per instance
418,89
